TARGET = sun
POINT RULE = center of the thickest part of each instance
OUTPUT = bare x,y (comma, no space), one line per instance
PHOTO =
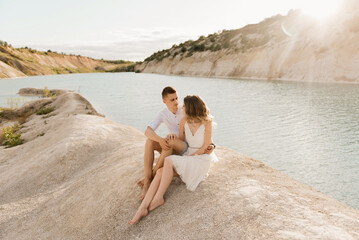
320,9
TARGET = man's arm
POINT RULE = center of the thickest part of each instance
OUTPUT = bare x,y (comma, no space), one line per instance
207,139
152,134
154,137
210,148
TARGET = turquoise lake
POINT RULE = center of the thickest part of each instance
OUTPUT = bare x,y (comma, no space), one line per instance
309,131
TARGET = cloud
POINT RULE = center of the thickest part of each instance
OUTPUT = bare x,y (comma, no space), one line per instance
130,44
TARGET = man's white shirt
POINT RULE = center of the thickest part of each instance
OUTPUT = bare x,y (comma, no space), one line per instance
171,120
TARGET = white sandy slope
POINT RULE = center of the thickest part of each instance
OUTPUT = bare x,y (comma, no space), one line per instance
75,178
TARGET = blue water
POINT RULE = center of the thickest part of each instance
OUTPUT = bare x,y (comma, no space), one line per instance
309,131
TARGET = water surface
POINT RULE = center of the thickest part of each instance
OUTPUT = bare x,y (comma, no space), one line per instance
309,131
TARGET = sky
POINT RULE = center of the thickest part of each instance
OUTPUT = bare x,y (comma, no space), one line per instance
132,30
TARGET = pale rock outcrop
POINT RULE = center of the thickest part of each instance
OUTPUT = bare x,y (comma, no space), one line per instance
75,178
291,47
39,92
27,62
7,71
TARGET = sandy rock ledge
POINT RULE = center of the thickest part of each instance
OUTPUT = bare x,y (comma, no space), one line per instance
75,178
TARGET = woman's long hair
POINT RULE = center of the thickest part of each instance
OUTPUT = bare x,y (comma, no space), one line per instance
196,109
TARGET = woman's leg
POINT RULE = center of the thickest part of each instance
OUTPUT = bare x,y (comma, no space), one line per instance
167,175
161,160
142,210
177,146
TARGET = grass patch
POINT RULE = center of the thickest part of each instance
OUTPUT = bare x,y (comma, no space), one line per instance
45,110
15,102
58,70
2,109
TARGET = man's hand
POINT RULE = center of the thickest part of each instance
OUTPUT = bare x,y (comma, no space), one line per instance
209,150
164,144
171,137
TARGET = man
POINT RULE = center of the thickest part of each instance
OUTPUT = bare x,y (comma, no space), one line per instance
171,116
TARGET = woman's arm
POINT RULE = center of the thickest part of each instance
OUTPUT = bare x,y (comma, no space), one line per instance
182,134
207,138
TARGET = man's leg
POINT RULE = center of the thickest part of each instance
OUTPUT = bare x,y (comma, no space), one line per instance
148,164
178,145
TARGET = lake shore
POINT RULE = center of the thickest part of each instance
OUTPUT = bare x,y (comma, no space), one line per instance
289,80
75,177
23,62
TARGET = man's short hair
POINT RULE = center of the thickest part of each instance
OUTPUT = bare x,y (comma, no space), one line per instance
167,90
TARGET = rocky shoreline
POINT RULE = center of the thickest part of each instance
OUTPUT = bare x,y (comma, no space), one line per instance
75,175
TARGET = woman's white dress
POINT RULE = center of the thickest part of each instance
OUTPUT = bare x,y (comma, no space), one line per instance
193,169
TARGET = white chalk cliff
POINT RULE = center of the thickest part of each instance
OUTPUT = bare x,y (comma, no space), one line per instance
291,47
75,175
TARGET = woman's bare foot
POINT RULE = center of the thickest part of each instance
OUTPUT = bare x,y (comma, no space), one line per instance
156,203
140,183
141,212
144,190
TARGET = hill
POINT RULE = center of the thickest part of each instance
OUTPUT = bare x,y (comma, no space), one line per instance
21,62
292,47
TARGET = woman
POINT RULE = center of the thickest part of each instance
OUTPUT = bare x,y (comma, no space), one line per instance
193,166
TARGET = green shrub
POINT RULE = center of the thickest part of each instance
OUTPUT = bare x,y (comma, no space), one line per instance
217,47
46,92
183,49
11,139
226,44
130,68
116,61
199,47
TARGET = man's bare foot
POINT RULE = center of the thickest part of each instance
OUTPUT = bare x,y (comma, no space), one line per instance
141,212
144,191
156,203
140,183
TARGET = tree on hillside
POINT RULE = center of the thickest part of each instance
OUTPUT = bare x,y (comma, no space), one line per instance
4,43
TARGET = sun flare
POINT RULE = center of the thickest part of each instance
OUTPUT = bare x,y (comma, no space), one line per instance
321,9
